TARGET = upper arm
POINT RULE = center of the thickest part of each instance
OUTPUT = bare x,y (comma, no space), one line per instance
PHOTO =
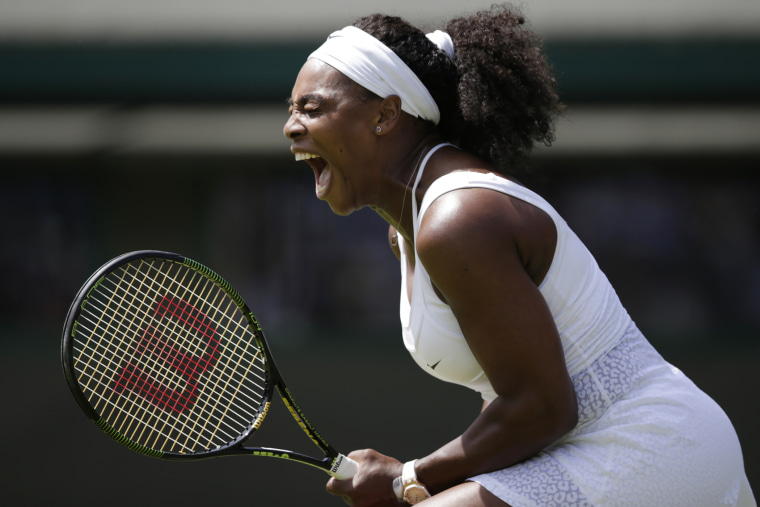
477,246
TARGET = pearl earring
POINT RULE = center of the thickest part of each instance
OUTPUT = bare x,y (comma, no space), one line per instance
379,129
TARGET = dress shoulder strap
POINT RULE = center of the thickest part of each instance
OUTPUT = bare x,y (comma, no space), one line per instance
415,211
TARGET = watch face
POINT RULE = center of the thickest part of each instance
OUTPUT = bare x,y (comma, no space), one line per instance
415,494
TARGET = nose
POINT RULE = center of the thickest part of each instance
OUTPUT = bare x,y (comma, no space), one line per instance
293,128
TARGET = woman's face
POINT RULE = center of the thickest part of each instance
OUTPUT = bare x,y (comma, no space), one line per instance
333,130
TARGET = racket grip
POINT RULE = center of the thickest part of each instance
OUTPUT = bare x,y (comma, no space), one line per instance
343,467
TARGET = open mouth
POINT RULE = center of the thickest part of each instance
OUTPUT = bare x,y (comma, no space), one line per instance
322,173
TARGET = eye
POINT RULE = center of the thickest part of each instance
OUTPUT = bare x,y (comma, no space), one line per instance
310,105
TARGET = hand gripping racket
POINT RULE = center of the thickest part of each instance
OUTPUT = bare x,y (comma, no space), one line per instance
165,357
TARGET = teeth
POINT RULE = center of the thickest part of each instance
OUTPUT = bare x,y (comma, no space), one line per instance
305,156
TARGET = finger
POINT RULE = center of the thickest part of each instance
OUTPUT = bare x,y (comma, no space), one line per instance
338,487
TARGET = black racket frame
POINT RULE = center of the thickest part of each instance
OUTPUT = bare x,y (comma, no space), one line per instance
274,379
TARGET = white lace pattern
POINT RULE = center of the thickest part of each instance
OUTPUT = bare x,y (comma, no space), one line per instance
647,436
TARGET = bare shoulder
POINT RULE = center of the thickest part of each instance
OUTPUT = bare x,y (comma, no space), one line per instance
485,226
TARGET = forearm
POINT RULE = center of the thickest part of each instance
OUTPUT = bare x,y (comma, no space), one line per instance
505,433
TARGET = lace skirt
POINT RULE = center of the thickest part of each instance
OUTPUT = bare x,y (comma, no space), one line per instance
646,436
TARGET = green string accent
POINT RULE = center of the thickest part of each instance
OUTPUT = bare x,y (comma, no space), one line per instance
103,425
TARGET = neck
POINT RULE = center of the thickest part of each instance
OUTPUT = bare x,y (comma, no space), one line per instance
396,208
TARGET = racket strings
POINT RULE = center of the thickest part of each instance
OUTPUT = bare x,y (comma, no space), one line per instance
142,403
192,351
169,357
91,315
251,405
160,367
252,401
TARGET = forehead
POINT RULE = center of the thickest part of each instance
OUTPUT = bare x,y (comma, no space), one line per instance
317,77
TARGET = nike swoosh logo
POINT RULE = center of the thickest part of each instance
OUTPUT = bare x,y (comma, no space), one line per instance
432,366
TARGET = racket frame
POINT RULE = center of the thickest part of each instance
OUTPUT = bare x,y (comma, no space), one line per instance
333,462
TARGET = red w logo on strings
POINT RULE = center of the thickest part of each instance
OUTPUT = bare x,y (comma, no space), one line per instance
156,359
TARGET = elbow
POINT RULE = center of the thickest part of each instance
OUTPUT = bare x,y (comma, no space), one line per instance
512,429
551,415
542,416
518,428
561,414
568,419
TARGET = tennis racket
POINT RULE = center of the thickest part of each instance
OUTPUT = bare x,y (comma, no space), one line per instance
165,357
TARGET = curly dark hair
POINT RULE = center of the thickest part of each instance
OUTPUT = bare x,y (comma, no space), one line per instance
499,95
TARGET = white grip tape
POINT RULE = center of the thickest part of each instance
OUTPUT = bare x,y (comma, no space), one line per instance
343,467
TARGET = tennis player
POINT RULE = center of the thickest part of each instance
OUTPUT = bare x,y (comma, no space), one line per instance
497,293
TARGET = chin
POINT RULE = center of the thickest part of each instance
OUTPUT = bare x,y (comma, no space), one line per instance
341,211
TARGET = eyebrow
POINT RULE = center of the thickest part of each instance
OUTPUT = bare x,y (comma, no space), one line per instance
305,99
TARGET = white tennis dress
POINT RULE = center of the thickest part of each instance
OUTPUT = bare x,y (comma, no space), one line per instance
646,436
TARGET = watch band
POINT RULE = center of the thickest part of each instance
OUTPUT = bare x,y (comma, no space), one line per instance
398,489
408,488
408,473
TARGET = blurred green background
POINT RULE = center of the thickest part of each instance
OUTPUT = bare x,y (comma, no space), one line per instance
158,125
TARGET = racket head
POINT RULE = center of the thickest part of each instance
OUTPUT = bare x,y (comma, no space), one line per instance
165,357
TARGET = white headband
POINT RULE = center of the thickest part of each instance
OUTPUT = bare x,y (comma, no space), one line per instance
371,64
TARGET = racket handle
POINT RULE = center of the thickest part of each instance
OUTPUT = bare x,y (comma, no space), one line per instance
343,467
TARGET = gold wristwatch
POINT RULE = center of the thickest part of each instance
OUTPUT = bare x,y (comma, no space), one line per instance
408,488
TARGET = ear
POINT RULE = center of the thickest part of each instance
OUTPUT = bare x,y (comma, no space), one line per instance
389,113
